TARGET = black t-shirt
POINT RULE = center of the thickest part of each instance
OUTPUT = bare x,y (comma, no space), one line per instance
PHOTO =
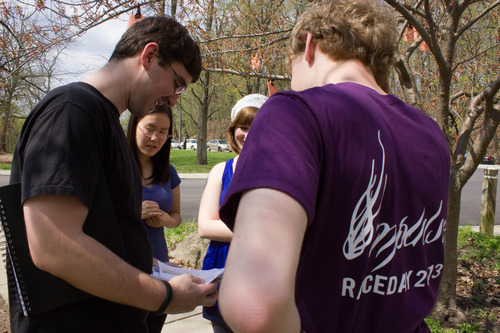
72,135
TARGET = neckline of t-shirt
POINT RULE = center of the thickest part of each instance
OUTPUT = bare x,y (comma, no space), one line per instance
390,97
360,86
150,188
91,87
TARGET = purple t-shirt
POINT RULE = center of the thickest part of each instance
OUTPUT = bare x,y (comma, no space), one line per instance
372,174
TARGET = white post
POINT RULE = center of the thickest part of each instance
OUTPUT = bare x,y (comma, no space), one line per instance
488,201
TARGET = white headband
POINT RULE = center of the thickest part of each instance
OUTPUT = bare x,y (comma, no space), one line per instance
254,100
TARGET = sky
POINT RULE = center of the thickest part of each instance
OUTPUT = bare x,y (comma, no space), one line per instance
92,50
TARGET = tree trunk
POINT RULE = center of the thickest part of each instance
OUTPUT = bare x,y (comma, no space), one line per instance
201,156
446,306
6,120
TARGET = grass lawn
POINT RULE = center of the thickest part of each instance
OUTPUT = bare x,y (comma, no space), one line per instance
184,161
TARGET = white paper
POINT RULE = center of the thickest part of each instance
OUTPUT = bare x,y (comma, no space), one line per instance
164,271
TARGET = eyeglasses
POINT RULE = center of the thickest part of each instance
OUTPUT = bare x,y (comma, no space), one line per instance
149,133
178,89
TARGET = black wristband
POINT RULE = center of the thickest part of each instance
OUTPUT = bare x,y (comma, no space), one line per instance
167,300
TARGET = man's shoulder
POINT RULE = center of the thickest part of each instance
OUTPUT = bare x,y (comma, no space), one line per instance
70,88
80,92
77,97
76,93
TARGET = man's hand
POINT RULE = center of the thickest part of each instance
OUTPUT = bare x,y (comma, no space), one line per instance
189,292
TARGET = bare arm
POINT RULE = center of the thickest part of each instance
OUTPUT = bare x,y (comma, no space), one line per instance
209,224
59,246
156,218
258,287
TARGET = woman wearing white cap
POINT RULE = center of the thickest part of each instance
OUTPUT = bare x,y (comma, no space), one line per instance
209,224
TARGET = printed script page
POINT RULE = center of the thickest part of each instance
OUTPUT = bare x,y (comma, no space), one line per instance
165,271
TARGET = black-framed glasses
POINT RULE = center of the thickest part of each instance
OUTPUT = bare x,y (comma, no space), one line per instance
149,133
178,89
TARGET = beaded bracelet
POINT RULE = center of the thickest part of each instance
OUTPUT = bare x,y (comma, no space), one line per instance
167,300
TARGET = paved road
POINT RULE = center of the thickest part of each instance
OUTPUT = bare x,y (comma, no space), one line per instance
191,190
471,200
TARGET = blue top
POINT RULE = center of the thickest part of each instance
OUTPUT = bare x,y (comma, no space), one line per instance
217,251
162,194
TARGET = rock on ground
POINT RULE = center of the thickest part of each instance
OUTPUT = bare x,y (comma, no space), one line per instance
191,251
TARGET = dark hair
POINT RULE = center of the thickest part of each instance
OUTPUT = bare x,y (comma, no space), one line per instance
161,160
173,39
244,117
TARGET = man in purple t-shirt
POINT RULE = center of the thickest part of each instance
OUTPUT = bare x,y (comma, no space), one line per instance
340,192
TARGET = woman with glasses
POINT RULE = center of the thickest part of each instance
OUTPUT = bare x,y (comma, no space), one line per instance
149,138
209,224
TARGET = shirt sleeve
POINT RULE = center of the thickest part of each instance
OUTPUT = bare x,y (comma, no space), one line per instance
175,180
281,152
63,154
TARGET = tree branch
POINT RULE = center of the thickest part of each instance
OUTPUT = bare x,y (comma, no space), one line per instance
246,36
247,74
477,18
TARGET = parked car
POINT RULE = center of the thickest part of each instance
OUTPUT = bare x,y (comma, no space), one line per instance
175,144
488,160
219,145
191,144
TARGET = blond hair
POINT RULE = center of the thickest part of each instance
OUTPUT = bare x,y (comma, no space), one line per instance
357,29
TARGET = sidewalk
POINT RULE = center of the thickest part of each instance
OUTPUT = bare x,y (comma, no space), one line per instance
193,175
187,322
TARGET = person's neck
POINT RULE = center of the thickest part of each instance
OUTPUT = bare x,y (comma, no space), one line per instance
145,161
346,71
114,81
146,165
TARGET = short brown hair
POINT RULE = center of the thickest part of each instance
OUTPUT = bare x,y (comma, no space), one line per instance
359,29
244,117
173,39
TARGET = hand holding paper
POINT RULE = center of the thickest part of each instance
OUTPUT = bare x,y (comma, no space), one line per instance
166,272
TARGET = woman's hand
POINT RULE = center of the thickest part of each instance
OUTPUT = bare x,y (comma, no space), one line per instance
156,218
156,221
150,209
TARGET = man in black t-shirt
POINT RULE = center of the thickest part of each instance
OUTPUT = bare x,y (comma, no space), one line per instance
68,141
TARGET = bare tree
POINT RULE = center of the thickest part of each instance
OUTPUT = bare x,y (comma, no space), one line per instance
243,47
27,69
32,35
447,30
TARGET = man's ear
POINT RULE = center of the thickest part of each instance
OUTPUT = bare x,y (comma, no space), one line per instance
148,53
310,49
